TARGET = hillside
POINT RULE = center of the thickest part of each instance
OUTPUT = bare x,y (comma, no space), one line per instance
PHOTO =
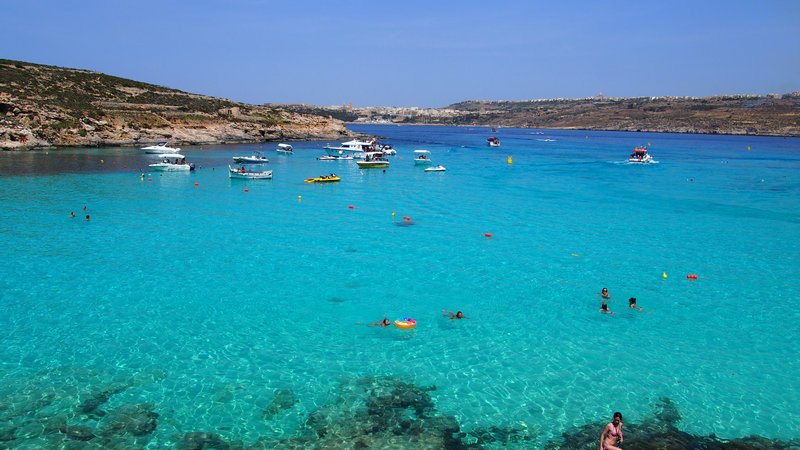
776,115
45,105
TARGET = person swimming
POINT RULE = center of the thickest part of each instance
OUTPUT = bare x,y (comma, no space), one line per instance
457,315
604,308
604,293
632,304
381,323
612,433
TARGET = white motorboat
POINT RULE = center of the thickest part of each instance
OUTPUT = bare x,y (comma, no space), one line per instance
387,149
493,141
438,168
373,160
285,148
171,167
160,148
177,156
355,147
255,158
243,173
423,157
335,158
640,156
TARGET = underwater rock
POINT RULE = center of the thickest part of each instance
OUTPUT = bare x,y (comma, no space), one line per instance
8,434
283,399
136,419
199,440
79,433
499,435
95,399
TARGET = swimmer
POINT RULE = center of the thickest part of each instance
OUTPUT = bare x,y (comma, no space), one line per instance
611,433
87,217
632,304
457,315
604,293
381,323
72,215
84,208
604,308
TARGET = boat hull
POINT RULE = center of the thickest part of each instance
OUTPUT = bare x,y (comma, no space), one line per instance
372,164
164,167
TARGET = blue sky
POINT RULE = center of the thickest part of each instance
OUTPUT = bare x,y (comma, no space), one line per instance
417,53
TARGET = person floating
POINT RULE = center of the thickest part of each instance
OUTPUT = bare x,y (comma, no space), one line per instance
612,433
604,293
457,315
72,215
604,308
632,304
381,323
87,217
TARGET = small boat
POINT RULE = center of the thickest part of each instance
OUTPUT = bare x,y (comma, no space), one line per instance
167,166
243,173
335,158
332,178
387,149
255,158
423,157
493,141
640,156
438,168
373,160
160,148
285,148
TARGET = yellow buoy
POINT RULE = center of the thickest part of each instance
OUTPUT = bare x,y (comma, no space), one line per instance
299,197
509,160
748,148
664,274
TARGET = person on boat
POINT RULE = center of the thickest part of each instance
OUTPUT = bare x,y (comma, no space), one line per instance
456,315
612,433
381,323
604,308
604,293
632,304
242,169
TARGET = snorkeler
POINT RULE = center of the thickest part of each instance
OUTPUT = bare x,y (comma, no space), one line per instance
457,315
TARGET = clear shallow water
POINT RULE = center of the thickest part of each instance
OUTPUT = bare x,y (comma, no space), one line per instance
206,299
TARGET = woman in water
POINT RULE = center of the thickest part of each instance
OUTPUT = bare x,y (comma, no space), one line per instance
604,293
604,308
612,433
632,304
382,323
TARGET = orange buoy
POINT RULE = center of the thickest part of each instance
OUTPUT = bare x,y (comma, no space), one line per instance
487,234
691,276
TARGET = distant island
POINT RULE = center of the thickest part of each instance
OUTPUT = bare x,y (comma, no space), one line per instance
43,106
770,115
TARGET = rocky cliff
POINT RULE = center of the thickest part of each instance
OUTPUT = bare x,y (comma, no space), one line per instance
53,106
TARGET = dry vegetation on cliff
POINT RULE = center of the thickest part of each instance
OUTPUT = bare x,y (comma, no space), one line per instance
46,105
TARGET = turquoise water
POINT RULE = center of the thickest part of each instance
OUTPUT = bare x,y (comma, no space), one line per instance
203,300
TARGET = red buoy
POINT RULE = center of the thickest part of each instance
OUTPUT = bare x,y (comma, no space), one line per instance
691,276
350,206
197,184
246,190
487,234
149,179
406,218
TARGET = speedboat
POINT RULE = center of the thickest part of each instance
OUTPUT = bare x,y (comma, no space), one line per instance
493,141
177,156
285,148
332,178
256,158
243,173
335,158
639,155
438,168
160,148
373,160
423,157
167,166
355,147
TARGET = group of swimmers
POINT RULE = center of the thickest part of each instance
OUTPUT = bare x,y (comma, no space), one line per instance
72,214
605,296
385,322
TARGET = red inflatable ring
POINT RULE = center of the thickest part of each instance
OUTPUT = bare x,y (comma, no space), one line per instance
691,276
